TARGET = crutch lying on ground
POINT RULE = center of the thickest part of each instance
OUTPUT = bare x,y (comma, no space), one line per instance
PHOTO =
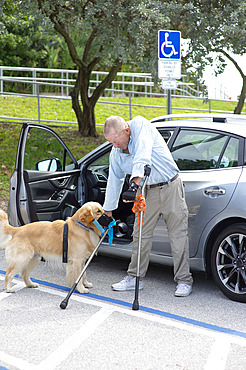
109,223
139,206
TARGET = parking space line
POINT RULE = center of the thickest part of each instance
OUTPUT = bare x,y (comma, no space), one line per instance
216,328
146,316
75,340
218,354
20,285
17,362
142,309
217,357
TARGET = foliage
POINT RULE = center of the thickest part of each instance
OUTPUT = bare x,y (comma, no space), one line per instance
115,32
212,26
21,38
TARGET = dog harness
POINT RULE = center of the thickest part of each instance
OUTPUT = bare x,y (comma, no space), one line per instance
99,227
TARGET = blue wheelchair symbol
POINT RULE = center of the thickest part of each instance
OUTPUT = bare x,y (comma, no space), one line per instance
169,44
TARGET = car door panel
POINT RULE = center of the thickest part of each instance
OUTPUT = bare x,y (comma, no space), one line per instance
44,183
50,197
204,207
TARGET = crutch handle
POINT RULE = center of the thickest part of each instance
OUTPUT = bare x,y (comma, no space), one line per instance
147,170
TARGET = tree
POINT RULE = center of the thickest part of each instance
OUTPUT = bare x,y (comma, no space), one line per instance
212,26
115,32
20,35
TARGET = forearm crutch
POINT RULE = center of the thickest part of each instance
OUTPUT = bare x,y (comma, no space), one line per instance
64,303
135,305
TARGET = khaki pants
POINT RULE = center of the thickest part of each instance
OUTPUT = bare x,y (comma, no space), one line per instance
168,201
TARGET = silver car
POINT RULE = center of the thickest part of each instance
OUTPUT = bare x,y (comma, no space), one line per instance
48,183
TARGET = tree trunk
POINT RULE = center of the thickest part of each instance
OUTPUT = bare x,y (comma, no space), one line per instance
242,97
86,116
240,103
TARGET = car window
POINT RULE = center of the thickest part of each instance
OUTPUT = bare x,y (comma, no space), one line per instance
166,134
100,167
200,150
44,152
230,156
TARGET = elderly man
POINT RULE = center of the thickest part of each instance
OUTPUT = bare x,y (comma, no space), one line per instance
135,144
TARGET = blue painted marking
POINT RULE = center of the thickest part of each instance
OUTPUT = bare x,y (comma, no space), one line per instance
172,316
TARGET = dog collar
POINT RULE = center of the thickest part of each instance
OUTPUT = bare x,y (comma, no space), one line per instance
95,222
84,226
100,228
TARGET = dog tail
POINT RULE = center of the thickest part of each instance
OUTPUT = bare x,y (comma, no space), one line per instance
4,223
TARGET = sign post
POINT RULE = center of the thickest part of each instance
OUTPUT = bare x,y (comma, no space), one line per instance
169,61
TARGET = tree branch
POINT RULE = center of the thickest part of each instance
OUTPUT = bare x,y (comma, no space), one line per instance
107,80
232,60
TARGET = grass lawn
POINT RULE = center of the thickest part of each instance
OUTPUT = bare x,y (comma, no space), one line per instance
61,110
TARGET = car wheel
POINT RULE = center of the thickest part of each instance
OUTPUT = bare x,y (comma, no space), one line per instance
228,262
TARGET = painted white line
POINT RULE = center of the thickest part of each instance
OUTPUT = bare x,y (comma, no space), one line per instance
75,340
20,285
150,317
17,362
216,359
218,354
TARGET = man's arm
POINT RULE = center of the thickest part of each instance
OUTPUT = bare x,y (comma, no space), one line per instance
137,180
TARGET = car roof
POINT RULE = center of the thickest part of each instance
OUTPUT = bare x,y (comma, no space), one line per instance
231,123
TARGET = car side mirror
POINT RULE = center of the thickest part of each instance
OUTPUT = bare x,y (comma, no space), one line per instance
51,165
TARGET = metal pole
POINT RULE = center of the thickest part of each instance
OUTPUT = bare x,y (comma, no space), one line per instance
169,104
38,103
130,106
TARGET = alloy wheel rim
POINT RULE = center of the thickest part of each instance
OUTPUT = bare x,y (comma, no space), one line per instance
231,263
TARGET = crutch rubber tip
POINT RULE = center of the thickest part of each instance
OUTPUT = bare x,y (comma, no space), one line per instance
135,306
63,305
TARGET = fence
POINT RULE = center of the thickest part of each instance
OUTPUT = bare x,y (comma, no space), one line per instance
57,84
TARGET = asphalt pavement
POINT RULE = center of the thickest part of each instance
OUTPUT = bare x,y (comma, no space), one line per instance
100,330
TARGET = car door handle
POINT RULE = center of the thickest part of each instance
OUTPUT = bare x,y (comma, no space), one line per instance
215,191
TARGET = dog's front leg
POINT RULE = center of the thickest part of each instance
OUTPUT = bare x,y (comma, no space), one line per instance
27,270
73,270
85,282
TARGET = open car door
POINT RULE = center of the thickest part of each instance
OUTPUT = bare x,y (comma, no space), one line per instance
44,185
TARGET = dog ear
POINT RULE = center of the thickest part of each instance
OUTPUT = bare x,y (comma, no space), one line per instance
86,215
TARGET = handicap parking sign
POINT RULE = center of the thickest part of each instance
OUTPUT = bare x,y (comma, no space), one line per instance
169,44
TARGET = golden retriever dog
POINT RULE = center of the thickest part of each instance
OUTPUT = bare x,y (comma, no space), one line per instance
26,245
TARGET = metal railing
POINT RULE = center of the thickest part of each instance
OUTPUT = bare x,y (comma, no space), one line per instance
39,87
124,82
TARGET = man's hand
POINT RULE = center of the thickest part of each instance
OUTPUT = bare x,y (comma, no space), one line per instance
108,213
130,194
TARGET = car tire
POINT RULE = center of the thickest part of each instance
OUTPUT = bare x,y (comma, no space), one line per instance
228,262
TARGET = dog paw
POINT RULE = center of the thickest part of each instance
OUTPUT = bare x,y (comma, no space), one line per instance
82,290
10,290
87,284
33,285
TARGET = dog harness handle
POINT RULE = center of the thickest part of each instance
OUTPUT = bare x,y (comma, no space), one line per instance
65,243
